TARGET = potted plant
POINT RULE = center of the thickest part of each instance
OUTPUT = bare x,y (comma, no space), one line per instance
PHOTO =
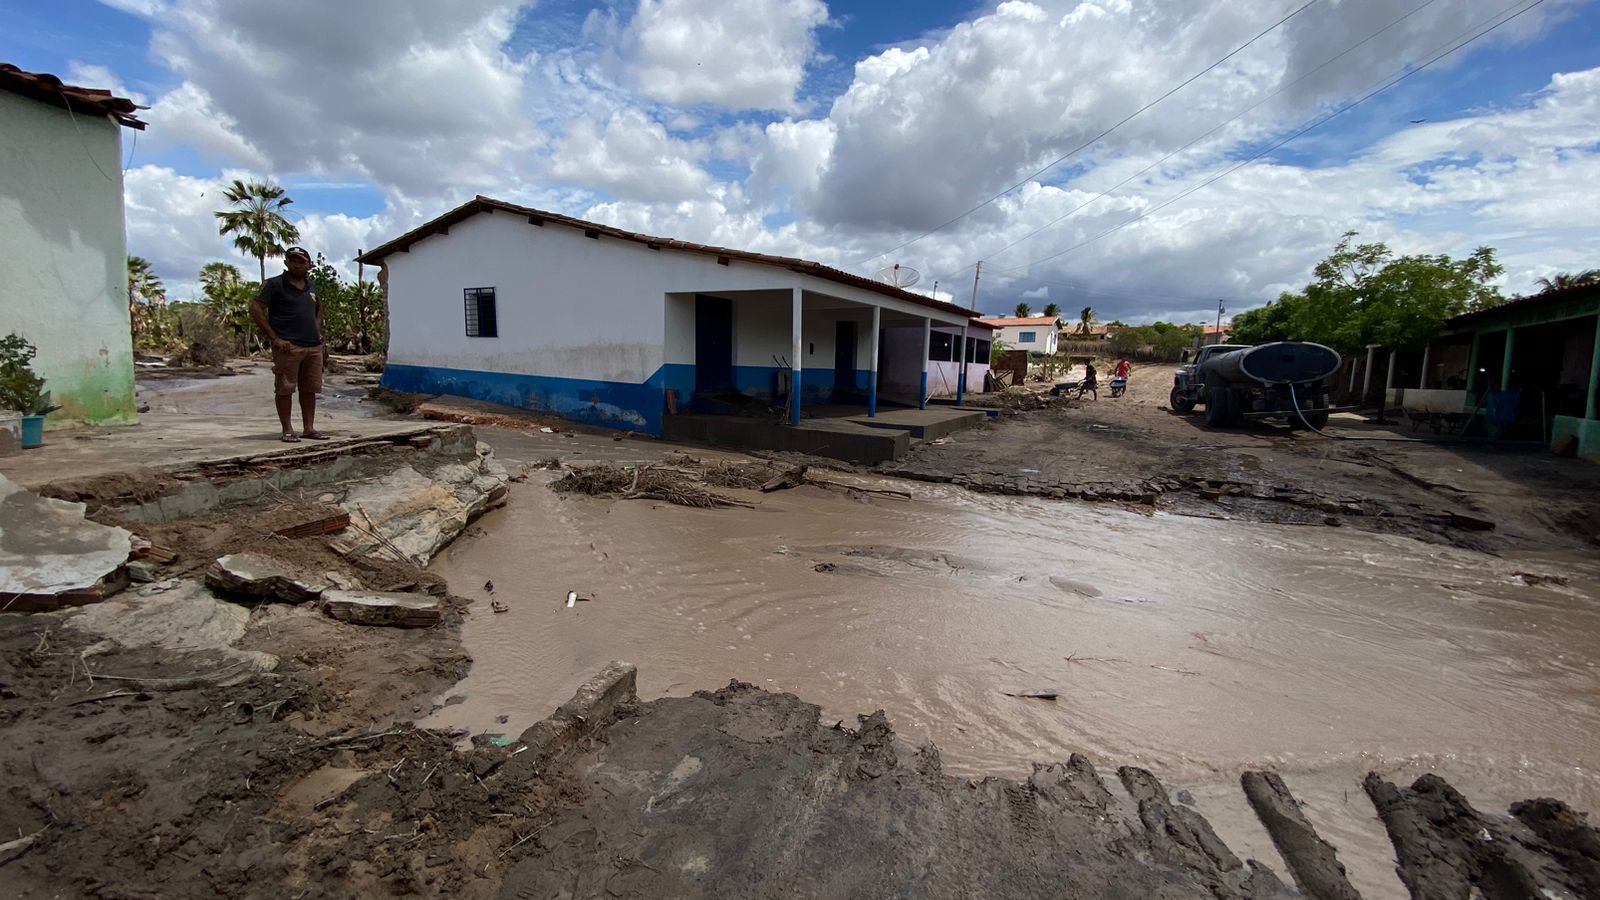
23,391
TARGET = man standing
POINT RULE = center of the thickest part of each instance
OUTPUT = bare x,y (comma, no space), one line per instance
288,311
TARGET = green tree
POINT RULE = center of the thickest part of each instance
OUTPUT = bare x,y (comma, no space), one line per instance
147,300
226,296
1266,324
1365,294
1563,280
997,349
1086,319
1053,310
257,222
1023,310
352,314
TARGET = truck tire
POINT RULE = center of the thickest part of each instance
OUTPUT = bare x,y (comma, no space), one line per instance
1238,402
1180,402
1219,407
1318,401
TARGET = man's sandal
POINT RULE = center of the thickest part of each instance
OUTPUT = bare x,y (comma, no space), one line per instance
315,436
290,438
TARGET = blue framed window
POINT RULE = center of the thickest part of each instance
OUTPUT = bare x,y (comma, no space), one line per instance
1028,337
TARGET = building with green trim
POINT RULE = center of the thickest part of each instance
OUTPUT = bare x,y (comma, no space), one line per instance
63,249
1535,354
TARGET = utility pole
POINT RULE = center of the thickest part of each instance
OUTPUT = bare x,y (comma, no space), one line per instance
1219,320
975,276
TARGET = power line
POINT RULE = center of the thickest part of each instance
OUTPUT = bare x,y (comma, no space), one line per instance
1343,109
1096,138
1251,108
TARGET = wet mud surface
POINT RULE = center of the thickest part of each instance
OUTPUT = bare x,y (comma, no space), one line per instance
1194,647
1133,450
1188,640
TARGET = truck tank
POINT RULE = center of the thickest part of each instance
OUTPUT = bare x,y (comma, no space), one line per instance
1285,362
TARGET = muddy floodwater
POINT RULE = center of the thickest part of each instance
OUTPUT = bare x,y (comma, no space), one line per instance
1194,647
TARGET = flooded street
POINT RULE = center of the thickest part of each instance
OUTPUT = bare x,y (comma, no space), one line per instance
1194,647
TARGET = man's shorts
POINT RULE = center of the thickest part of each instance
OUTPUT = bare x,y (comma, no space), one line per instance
297,369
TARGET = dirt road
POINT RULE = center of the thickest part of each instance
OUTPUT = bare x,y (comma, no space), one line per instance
1469,493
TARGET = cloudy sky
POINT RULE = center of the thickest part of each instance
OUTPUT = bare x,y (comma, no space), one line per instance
860,134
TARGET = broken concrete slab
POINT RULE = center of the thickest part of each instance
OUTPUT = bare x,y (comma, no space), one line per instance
51,556
181,616
410,516
398,610
551,741
262,577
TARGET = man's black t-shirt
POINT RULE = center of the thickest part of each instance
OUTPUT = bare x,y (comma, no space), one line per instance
291,311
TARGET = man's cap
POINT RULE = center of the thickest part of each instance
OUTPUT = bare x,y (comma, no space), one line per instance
294,251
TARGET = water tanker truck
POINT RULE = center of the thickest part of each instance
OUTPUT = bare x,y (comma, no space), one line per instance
1285,380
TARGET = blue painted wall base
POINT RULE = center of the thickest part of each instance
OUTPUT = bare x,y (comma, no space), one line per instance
608,404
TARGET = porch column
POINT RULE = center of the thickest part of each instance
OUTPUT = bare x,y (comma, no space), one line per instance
1472,364
927,347
1388,381
961,378
1366,376
872,376
798,349
1422,382
1594,369
1505,367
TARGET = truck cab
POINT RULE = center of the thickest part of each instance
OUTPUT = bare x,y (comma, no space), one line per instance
1188,389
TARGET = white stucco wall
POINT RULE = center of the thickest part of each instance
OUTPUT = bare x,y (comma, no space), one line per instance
63,256
1045,337
578,307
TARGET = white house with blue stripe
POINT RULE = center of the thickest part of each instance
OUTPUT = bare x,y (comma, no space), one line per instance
534,309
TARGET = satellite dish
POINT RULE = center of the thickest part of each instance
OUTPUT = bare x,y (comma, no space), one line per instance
899,276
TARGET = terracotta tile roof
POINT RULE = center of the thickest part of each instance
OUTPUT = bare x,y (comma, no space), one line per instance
1041,321
481,204
47,88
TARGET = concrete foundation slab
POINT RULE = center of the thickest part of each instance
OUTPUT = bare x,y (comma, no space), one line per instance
924,424
832,438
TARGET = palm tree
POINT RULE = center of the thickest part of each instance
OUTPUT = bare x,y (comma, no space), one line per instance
1023,311
257,222
144,291
1563,280
1086,319
227,297
1053,310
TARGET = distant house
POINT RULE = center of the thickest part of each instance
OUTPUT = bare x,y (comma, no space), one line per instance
1036,334
63,250
1211,334
531,308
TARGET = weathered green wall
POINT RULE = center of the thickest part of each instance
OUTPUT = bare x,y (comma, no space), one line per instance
63,256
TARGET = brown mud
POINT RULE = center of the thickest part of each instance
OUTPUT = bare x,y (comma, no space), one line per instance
1133,450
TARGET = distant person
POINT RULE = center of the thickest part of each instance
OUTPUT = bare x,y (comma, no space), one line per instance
1122,369
1090,382
289,313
